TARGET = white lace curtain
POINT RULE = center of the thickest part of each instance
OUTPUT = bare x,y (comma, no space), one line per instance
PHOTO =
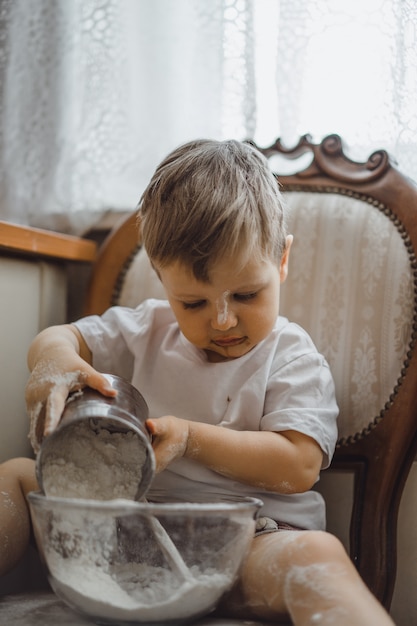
93,93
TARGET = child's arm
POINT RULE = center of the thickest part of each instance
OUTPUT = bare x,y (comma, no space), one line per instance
60,362
285,462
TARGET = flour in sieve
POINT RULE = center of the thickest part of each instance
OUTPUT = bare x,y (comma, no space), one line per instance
97,464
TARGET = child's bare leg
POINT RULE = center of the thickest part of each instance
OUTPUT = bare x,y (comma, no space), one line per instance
308,576
17,478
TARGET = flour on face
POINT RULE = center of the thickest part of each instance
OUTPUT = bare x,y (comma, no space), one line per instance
222,308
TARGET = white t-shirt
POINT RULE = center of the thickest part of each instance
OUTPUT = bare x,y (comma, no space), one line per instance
283,383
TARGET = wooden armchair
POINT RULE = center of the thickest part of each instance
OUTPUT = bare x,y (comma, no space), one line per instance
353,286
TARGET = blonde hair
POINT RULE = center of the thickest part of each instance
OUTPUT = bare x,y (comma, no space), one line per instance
209,200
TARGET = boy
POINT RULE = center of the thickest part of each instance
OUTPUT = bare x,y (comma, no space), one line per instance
240,401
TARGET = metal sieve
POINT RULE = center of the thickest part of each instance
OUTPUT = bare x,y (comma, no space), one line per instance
125,413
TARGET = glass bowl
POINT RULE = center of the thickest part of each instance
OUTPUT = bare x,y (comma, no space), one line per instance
121,561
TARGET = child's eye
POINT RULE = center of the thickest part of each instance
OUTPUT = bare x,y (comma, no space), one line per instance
194,305
243,297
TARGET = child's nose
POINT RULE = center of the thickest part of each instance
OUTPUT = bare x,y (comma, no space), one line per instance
224,320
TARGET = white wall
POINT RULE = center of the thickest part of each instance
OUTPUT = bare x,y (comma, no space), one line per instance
33,295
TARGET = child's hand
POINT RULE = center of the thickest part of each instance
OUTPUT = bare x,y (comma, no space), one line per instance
169,439
57,370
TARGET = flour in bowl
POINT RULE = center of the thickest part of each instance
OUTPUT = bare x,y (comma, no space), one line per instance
111,596
89,572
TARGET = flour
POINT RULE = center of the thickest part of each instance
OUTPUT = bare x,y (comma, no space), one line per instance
47,375
147,594
222,308
89,573
96,464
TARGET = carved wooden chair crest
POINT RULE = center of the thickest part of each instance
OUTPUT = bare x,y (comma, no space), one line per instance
353,286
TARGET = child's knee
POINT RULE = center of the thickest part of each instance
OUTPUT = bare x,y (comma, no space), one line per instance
318,550
17,478
283,550
20,471
324,545
317,545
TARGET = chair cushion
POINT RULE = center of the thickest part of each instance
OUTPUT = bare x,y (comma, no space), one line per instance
140,281
350,285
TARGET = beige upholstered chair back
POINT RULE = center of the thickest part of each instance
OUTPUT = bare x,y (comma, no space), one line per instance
352,286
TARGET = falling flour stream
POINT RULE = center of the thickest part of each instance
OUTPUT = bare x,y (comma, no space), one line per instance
170,550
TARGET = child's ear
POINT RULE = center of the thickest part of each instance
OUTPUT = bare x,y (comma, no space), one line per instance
283,268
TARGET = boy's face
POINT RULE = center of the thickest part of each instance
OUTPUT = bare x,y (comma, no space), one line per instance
232,313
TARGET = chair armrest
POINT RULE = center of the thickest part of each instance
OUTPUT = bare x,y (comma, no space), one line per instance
27,241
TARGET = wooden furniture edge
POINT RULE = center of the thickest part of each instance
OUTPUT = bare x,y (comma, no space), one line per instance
30,241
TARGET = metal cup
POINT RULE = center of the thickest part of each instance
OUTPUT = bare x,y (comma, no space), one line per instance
126,412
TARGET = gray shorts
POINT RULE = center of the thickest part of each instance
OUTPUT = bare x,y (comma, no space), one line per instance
266,525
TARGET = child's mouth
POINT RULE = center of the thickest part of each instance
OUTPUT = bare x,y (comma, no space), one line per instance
228,341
